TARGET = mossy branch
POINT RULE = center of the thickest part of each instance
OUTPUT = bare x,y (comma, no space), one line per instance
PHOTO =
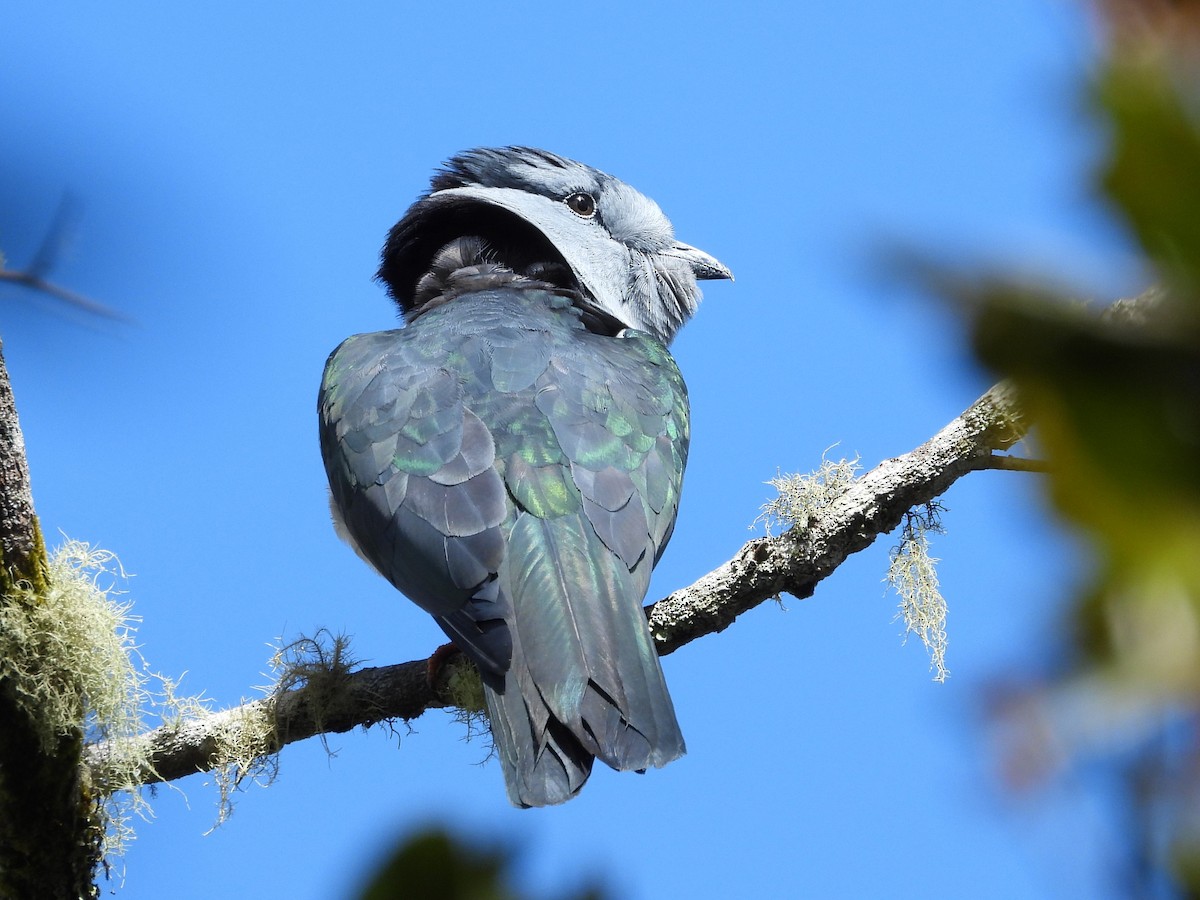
793,562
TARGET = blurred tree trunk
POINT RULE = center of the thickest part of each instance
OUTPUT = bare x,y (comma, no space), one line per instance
48,845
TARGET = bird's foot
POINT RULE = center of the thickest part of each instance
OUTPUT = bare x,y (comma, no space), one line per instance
438,660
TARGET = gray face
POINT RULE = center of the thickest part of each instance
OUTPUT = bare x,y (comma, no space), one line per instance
617,243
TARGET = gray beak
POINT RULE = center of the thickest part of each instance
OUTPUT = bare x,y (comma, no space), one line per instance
705,267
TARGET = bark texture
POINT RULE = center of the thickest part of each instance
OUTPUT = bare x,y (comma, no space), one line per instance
48,839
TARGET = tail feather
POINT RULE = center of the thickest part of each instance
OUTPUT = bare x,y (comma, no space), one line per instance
584,679
543,762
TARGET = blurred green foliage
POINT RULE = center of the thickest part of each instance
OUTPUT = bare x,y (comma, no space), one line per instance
1149,100
1115,397
436,865
1116,393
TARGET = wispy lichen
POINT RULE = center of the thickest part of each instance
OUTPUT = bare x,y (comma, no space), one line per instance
70,653
245,737
913,574
245,750
320,662
803,497
70,656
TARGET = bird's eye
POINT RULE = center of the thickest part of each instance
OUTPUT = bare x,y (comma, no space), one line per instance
582,204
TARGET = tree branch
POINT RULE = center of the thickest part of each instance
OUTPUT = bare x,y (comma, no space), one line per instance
794,562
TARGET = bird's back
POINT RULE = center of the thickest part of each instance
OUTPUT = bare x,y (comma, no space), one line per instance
517,476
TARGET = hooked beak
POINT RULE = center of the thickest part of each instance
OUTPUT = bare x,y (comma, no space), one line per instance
705,267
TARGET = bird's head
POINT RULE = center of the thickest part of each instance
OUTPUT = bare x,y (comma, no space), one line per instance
551,218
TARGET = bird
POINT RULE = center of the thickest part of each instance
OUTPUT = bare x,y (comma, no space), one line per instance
511,459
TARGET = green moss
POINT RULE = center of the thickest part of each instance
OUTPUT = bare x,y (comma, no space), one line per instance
464,690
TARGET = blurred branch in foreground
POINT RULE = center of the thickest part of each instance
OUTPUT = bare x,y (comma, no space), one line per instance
34,277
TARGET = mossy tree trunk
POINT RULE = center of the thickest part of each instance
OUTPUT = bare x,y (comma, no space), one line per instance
48,845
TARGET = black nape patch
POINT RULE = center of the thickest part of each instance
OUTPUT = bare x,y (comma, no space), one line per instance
469,264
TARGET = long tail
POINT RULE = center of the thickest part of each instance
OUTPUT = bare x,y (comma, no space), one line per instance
584,679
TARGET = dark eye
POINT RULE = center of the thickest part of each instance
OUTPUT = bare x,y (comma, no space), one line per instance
582,204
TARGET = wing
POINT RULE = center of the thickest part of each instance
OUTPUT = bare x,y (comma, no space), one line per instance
412,473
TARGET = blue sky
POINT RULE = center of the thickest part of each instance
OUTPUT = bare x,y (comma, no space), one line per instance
237,168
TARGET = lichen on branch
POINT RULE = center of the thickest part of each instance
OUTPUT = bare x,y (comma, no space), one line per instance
849,517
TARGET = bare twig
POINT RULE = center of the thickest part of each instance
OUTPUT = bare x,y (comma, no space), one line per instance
26,279
1008,463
